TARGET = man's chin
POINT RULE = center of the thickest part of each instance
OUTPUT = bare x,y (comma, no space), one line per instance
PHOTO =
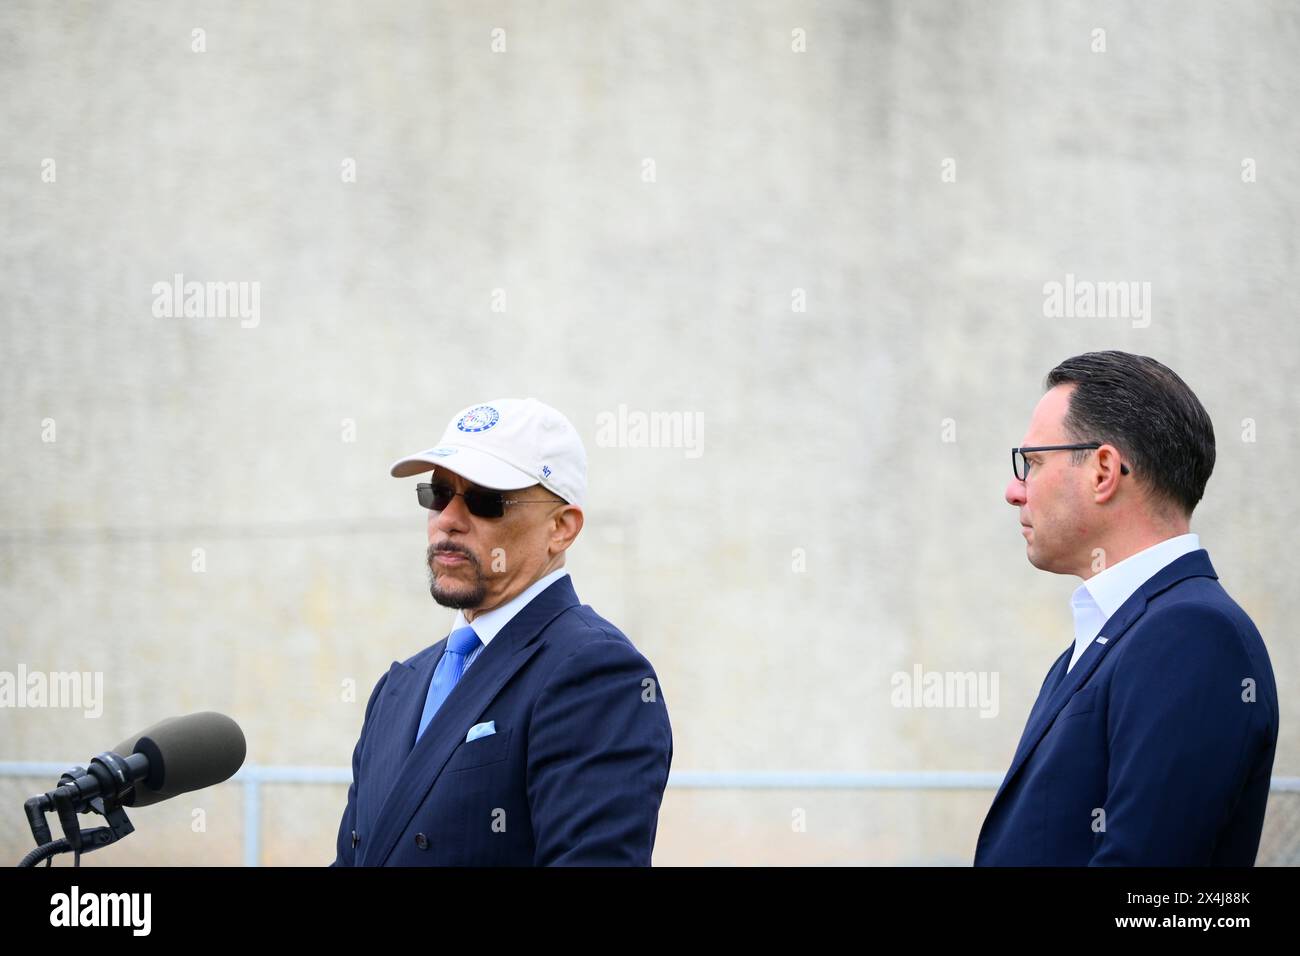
1044,562
456,600
456,595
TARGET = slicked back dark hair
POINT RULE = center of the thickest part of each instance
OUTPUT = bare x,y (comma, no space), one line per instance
1146,411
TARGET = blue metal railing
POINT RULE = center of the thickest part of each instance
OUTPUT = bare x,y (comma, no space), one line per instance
251,777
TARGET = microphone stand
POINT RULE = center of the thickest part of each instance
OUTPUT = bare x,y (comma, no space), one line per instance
100,790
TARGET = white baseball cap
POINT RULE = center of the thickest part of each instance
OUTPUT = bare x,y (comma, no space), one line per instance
507,444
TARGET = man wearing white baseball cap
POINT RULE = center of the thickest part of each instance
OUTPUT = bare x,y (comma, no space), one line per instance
534,733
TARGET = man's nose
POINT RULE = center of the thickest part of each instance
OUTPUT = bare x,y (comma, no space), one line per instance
454,517
1015,493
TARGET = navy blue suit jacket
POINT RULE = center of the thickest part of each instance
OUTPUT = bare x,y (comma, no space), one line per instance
573,775
1150,751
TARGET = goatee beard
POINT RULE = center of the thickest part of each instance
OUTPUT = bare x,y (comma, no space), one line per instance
458,597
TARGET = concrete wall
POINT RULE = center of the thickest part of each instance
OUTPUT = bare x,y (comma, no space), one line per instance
652,187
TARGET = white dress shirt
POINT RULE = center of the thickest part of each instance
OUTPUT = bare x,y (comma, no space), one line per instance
489,624
1095,600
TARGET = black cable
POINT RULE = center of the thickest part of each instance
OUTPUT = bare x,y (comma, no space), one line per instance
46,852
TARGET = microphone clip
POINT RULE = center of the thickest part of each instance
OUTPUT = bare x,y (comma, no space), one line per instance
98,789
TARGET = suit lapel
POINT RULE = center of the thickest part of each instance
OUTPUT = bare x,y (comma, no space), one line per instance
513,646
1053,681
404,693
1055,695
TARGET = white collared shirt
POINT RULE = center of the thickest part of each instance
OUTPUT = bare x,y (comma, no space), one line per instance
489,624
1095,600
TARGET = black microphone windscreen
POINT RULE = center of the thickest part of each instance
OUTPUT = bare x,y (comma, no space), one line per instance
185,753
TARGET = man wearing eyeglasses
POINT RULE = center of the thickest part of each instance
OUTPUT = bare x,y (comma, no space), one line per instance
534,733
1152,740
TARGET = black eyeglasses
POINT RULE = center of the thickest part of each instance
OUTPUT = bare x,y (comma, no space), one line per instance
481,502
1020,464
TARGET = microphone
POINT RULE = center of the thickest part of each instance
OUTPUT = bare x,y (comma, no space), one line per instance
183,754
172,757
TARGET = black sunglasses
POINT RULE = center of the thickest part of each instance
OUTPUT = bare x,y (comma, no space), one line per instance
1020,464
481,502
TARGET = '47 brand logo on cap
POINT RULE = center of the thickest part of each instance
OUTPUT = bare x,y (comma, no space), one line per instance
478,419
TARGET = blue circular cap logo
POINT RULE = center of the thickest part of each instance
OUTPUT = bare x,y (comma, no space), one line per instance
478,419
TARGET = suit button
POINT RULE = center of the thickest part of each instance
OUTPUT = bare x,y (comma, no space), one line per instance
422,841
355,839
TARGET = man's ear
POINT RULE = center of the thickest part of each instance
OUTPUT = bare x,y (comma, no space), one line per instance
1106,472
565,525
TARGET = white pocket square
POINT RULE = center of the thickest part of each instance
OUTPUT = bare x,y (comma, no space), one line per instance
481,730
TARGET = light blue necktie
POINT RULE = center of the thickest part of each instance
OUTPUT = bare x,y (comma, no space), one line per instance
459,645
